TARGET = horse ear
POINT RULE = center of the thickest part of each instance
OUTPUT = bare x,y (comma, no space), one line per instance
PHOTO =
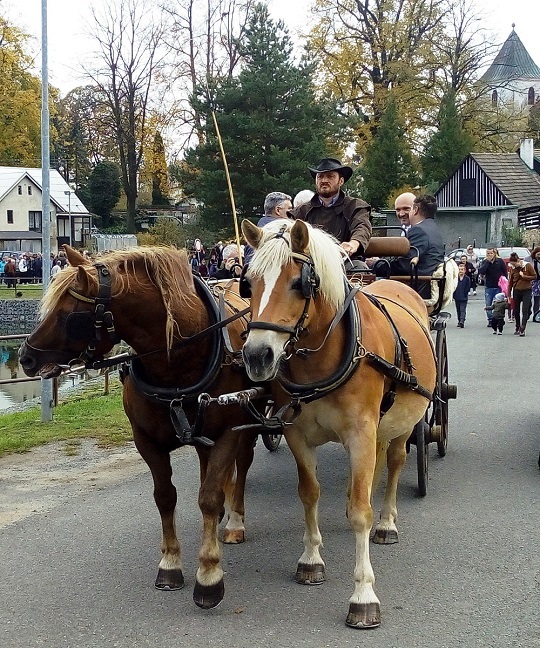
83,283
75,258
252,233
299,236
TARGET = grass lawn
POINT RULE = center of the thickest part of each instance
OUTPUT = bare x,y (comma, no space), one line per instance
22,291
87,414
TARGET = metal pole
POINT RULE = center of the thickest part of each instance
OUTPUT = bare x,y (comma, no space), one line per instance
46,385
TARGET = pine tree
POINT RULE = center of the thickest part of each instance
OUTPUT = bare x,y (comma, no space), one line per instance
448,145
271,124
388,162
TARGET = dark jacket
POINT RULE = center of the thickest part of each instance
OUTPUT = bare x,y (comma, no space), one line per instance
427,239
347,220
493,271
461,293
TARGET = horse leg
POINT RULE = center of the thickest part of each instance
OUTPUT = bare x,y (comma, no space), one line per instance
386,530
364,606
209,587
310,569
170,576
234,531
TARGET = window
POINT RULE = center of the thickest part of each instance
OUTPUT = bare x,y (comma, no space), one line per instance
19,190
530,98
10,216
34,221
29,190
494,98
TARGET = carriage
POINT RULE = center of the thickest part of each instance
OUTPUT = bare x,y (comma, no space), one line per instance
195,378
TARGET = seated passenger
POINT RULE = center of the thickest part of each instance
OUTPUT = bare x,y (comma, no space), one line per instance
427,247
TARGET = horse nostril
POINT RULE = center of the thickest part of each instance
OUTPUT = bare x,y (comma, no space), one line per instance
267,357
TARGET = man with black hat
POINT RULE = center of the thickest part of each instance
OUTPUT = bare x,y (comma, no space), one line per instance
346,218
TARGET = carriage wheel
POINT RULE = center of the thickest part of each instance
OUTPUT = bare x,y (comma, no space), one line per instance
442,395
271,441
422,454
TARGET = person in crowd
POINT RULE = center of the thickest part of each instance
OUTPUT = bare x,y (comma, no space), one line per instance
3,262
198,250
203,268
23,269
492,267
535,284
503,285
57,266
231,266
347,219
10,272
498,311
522,274
461,295
403,206
472,258
470,271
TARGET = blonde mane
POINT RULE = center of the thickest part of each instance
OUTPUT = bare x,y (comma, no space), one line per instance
322,248
167,270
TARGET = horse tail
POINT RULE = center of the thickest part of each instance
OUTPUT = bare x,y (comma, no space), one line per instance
380,462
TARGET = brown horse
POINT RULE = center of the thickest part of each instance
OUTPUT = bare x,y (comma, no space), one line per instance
351,367
149,298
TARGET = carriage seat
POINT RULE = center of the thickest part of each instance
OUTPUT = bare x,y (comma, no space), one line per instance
387,246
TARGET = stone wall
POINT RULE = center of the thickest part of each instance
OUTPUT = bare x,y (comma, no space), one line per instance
18,315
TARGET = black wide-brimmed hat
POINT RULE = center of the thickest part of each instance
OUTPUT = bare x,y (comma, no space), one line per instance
331,164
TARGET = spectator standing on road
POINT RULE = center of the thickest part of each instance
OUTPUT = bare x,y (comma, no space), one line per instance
522,274
472,258
493,267
498,312
461,295
470,271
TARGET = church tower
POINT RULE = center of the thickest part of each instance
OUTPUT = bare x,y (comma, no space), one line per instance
513,77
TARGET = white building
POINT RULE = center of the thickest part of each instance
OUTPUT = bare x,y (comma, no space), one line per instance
21,213
513,77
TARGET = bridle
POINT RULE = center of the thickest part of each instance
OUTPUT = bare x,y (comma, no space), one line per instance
310,284
82,325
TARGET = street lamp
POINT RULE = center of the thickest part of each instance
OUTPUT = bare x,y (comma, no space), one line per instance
68,194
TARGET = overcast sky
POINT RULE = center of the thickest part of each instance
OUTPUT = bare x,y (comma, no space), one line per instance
66,23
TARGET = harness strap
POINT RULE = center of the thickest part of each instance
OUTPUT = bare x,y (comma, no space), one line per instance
395,373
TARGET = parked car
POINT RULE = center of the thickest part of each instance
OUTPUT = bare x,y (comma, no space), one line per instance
522,252
458,252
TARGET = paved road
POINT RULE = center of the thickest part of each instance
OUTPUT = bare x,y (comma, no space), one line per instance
465,573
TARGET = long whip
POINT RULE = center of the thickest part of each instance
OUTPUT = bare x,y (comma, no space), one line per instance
236,230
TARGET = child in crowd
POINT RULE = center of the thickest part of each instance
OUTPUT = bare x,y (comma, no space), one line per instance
499,306
461,294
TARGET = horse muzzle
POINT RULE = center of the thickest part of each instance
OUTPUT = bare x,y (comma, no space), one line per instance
261,361
43,363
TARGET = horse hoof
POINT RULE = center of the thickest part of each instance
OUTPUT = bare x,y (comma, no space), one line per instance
310,574
169,579
364,616
233,536
385,536
208,596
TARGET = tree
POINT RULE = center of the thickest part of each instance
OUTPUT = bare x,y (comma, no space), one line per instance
204,37
130,45
271,124
160,179
388,162
104,190
20,100
447,146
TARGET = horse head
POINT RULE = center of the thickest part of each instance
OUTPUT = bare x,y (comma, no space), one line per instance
74,318
296,282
